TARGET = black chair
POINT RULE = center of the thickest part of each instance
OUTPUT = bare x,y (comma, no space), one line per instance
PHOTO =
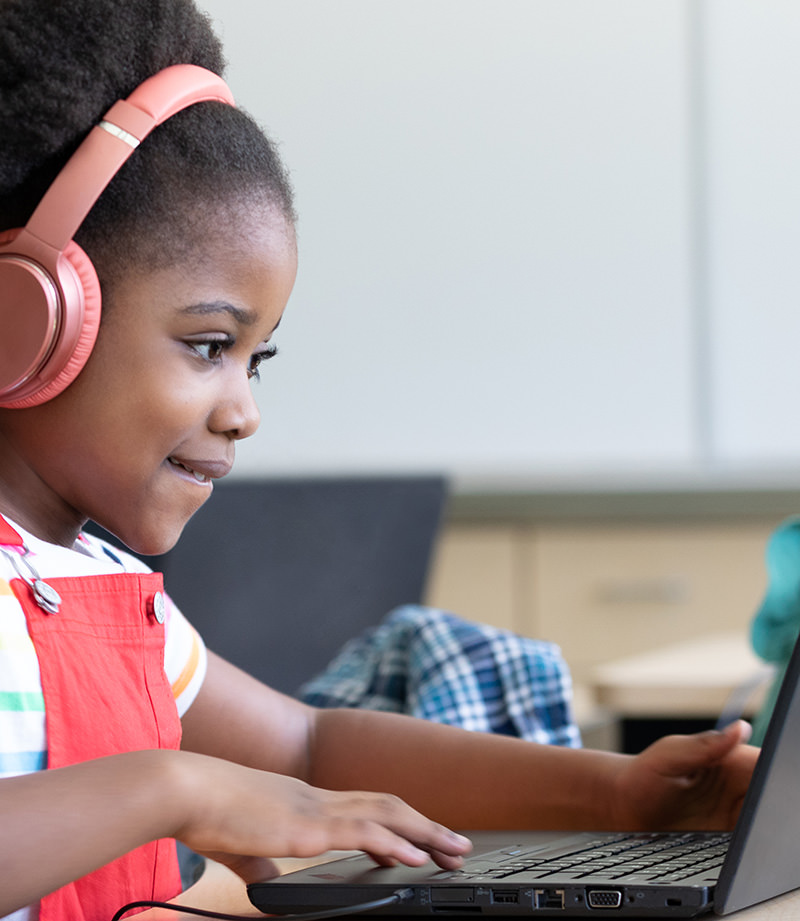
278,574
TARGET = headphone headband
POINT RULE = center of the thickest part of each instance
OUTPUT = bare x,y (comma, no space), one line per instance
109,144
49,293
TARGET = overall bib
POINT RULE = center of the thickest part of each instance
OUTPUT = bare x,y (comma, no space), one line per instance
101,657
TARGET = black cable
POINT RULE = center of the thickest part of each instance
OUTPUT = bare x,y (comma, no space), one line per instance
400,895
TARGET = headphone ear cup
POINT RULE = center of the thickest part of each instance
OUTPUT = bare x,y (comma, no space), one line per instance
79,319
49,293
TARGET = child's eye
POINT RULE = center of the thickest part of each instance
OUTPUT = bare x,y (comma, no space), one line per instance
211,350
268,352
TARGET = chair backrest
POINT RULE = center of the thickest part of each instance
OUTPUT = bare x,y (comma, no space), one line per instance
278,574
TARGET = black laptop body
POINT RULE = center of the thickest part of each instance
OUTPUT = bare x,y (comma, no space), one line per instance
597,874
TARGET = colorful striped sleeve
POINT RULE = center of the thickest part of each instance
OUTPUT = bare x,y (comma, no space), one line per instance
22,741
185,658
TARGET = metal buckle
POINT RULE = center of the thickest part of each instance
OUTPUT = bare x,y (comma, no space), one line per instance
45,595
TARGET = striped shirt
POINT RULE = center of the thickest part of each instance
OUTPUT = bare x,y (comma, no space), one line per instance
23,740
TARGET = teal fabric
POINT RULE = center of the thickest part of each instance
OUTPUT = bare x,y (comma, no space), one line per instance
776,624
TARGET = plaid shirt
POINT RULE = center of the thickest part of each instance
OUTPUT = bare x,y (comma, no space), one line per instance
434,665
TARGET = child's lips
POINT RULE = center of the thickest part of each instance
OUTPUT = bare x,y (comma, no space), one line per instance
202,470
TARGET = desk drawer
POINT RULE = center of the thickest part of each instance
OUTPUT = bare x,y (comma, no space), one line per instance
474,574
609,591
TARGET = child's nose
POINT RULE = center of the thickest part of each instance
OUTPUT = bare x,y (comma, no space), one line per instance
236,411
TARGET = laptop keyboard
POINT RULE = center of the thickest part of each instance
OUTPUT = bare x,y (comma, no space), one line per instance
665,857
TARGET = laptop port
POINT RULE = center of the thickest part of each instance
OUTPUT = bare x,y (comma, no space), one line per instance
604,898
548,898
456,894
505,896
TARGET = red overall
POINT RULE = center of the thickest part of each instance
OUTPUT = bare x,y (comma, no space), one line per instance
101,657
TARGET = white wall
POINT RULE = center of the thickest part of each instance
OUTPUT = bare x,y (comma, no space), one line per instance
506,263
754,252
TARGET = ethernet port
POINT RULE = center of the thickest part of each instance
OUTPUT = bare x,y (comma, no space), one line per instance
548,898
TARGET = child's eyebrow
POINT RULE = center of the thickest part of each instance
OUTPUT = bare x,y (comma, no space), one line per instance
207,307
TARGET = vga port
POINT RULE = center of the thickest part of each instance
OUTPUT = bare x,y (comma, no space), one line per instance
604,898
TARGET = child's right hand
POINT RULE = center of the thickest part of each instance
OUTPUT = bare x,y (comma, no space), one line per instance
241,817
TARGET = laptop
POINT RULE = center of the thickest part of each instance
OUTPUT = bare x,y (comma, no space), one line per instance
568,874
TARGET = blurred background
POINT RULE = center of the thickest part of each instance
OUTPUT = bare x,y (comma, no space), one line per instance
537,237
548,249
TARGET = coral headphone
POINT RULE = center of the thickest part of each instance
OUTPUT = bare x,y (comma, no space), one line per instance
49,292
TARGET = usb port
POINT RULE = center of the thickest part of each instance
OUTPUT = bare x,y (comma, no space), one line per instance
505,896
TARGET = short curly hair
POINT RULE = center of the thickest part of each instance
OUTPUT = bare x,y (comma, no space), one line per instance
62,66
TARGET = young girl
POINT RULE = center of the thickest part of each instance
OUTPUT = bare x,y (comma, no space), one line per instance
117,729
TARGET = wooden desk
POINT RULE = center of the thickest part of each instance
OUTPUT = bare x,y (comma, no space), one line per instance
695,678
219,889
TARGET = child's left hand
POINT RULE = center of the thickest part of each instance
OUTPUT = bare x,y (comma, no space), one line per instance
687,782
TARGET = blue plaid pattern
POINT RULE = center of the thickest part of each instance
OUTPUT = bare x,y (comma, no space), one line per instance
434,665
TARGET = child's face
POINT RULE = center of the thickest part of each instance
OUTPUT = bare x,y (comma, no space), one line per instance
135,442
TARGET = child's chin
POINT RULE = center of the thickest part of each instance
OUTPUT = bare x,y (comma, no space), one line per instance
153,543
